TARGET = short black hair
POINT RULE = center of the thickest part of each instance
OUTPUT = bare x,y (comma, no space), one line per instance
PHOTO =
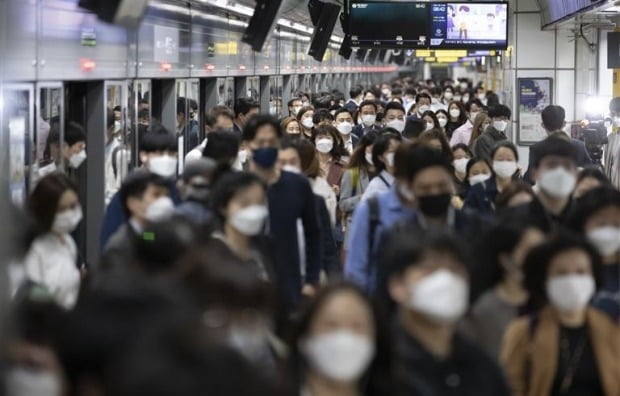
249,131
507,144
74,133
356,91
412,158
475,160
245,105
293,100
555,146
110,119
394,106
135,184
368,103
422,95
475,101
43,202
590,203
158,138
553,117
181,102
380,146
500,111
343,110
411,91
464,147
538,261
222,146
321,115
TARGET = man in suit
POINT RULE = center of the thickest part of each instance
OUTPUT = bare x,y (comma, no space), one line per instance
355,98
245,108
367,118
343,121
553,121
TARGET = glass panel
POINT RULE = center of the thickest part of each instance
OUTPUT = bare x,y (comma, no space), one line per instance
275,96
117,157
139,115
254,88
226,91
188,130
18,112
50,131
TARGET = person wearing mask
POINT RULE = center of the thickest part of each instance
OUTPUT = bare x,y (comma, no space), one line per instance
113,157
386,92
383,151
430,121
466,97
409,99
367,115
343,121
291,127
219,118
338,348
611,153
355,180
553,122
478,171
463,133
289,198
589,179
71,154
305,117
355,98
462,154
442,119
427,279
458,117
436,99
500,117
448,96
245,109
564,347
144,196
597,217
239,203
482,196
394,117
481,94
196,183
294,105
497,290
555,173
515,194
53,258
422,105
187,128
481,123
331,152
158,154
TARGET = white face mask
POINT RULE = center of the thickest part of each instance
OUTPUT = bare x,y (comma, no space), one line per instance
472,116
460,165
76,159
291,168
448,96
117,126
455,113
397,124
67,221
605,239
423,109
570,293
25,382
500,125
464,85
482,96
341,355
389,159
250,220
480,178
504,169
242,156
251,343
369,119
465,99
296,110
442,122
429,126
307,122
159,210
368,157
163,165
324,145
345,128
441,296
558,182
457,98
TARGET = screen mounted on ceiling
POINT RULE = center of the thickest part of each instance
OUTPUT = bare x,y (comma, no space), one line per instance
388,24
457,25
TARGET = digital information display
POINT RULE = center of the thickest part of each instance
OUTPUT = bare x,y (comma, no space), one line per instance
469,25
389,24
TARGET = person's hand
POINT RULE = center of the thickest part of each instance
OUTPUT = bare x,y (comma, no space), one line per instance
336,189
308,290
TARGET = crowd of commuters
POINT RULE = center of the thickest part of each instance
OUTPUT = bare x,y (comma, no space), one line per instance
388,244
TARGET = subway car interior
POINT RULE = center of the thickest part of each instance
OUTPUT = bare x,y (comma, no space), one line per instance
114,71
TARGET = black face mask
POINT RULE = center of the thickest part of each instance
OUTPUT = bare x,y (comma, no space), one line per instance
434,205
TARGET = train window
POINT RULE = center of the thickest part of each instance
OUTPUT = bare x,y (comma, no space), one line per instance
139,114
187,122
275,95
50,131
254,88
18,113
118,148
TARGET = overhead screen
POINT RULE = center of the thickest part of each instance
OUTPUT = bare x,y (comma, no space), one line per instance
417,25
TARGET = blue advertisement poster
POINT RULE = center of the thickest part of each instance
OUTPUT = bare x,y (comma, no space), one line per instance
534,94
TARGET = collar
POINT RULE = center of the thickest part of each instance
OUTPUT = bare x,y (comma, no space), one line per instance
450,218
387,177
136,226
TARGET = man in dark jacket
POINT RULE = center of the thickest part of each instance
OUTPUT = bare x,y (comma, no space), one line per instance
429,283
496,132
553,121
367,118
